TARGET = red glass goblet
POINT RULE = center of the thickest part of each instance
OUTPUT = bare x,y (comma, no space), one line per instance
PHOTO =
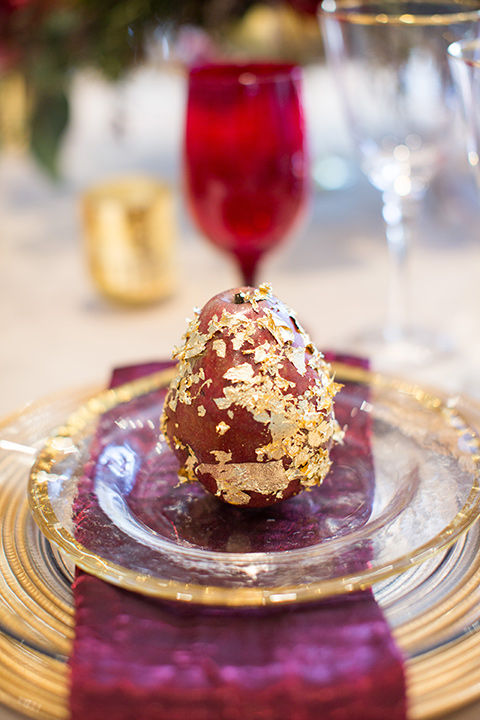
246,174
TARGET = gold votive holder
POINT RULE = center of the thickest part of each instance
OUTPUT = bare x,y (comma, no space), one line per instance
15,111
130,239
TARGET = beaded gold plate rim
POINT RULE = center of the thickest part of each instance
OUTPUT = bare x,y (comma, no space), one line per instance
37,685
130,579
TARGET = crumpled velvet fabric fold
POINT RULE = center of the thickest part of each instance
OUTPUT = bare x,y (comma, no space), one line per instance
140,658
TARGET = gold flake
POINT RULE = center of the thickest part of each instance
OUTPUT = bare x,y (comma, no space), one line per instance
195,345
213,326
262,417
281,426
296,355
222,428
261,352
277,327
221,456
238,339
239,373
187,472
264,292
235,479
220,347
316,437
201,411
222,403
339,434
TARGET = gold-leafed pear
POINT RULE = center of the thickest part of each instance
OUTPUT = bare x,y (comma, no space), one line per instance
250,412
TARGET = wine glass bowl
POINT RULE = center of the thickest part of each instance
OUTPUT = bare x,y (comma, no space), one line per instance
245,157
397,84
390,60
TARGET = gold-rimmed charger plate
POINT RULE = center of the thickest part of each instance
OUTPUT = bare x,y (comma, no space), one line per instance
431,607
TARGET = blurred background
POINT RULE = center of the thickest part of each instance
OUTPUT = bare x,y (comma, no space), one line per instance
111,74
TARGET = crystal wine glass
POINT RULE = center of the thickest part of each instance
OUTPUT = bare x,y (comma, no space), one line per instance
245,160
390,61
464,58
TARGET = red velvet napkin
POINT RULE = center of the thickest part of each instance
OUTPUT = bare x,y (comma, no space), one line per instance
139,658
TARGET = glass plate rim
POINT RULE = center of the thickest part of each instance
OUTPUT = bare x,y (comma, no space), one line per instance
342,10
44,515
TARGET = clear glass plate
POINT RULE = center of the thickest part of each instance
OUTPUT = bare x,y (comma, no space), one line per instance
377,514
432,607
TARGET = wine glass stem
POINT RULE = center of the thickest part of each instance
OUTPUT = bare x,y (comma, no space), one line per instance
399,214
248,268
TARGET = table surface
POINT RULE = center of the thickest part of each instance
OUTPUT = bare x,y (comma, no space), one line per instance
57,332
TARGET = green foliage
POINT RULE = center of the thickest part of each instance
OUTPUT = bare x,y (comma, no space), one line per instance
48,122
50,39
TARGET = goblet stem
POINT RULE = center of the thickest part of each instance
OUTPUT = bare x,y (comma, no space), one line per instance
248,268
399,214
401,345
